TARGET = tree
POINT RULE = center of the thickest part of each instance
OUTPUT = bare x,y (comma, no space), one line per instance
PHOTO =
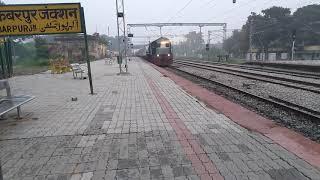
276,12
2,3
271,28
41,47
194,40
191,46
307,25
23,50
111,41
238,43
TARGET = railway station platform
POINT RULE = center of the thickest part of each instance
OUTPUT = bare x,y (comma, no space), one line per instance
144,125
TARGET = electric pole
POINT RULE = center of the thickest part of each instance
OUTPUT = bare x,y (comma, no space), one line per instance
224,32
294,34
208,45
250,38
121,26
201,38
160,31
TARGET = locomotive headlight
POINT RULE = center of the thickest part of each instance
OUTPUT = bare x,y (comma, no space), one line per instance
158,55
169,55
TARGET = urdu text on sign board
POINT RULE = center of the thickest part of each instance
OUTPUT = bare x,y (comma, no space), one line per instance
40,19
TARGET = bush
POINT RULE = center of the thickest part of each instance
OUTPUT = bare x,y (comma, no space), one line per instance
31,54
32,62
41,47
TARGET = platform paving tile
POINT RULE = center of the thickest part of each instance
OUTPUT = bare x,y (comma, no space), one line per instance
137,126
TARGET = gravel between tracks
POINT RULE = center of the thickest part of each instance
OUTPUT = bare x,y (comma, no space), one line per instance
255,67
284,118
303,79
297,96
281,70
317,81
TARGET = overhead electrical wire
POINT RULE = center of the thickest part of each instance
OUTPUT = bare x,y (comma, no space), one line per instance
270,25
182,9
186,5
275,23
253,8
248,2
207,3
231,9
226,12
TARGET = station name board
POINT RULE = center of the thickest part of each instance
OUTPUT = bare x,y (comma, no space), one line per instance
40,19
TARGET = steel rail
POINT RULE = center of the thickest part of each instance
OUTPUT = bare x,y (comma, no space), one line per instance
268,70
253,76
277,102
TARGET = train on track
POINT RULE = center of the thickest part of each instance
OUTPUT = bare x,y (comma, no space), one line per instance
159,52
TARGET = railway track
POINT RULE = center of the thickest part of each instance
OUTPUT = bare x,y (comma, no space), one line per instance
312,115
292,83
262,69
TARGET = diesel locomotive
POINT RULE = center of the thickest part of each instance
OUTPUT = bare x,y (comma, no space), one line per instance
159,52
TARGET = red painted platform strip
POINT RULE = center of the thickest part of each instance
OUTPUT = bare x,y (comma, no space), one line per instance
294,142
201,163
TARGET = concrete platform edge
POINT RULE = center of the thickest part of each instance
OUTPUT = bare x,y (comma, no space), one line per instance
294,142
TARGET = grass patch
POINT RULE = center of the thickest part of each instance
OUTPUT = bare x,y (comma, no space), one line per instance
24,70
29,66
30,62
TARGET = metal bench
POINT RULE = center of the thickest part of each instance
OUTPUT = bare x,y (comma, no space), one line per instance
109,61
9,102
77,69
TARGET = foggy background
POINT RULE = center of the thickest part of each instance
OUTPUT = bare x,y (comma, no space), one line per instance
102,13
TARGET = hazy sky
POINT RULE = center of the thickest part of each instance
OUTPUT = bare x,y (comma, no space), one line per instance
101,13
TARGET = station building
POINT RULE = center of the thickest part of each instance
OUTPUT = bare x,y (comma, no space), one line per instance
277,54
72,47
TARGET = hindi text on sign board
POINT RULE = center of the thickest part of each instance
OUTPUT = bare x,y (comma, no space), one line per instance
40,19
